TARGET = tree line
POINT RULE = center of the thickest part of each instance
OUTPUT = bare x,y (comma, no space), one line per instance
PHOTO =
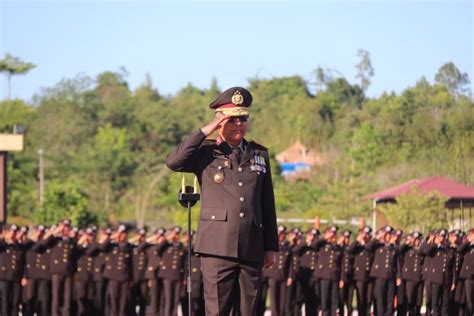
105,144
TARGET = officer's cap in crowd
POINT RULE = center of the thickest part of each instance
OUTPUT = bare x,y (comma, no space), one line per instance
108,231
347,233
313,231
332,229
185,233
398,232
455,232
24,229
90,231
41,228
14,228
417,235
123,228
176,229
387,229
233,102
66,222
281,229
442,232
366,230
160,231
141,231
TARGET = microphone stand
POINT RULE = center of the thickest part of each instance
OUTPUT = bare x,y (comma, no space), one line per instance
188,197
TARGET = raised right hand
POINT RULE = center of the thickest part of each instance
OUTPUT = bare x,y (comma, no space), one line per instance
214,125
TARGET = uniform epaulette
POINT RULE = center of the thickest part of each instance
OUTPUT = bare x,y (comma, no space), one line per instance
257,145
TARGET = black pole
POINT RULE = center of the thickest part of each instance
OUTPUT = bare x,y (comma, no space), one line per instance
188,199
190,253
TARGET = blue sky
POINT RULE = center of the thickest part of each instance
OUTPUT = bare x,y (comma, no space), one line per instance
180,41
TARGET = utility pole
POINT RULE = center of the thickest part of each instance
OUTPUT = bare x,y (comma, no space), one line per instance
41,175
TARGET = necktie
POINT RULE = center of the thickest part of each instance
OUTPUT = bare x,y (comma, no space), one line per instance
236,152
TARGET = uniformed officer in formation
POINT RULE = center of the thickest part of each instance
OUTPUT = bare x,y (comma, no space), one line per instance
328,270
443,260
361,265
62,246
139,264
411,273
347,288
37,277
171,271
237,233
278,273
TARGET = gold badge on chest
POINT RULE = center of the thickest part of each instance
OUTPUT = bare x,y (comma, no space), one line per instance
219,176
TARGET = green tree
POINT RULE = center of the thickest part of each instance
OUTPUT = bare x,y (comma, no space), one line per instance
65,199
365,151
12,65
417,211
365,71
452,78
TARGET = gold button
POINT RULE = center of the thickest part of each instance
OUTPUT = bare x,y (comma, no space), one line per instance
242,199
240,184
240,169
213,217
241,214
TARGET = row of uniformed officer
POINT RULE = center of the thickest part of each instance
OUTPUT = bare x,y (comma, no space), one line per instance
41,273
383,272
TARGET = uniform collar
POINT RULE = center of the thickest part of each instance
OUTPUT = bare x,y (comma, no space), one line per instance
241,145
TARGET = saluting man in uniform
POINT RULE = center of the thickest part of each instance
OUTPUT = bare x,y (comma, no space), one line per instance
171,271
278,275
466,249
440,272
62,247
139,265
329,270
237,232
361,270
411,273
118,270
11,270
384,270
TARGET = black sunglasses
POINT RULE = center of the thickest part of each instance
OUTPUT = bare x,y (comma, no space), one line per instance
241,118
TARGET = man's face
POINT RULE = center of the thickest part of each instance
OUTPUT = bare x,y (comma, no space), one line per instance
282,237
122,237
470,237
234,129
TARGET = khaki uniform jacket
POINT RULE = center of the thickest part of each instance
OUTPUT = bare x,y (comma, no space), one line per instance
238,217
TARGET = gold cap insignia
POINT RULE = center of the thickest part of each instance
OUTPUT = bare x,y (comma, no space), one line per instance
237,98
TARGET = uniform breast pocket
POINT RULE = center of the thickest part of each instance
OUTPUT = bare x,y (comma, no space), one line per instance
214,214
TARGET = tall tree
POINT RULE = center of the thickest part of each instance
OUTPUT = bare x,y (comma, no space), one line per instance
14,66
365,71
452,78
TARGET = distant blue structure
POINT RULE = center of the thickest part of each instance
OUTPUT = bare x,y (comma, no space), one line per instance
292,168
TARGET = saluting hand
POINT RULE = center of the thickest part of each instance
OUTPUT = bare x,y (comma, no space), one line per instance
214,125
